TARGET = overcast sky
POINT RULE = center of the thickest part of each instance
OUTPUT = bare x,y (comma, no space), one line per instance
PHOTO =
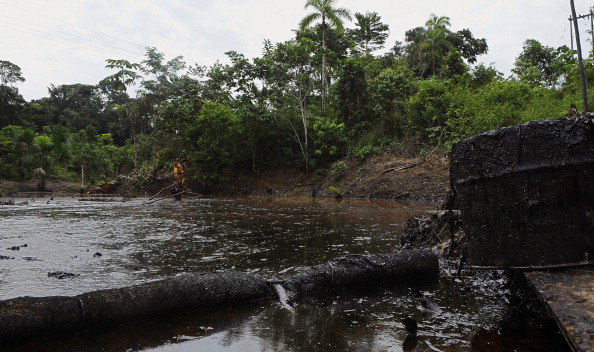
67,41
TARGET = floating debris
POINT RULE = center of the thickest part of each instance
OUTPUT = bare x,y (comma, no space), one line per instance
429,309
32,259
410,325
62,275
12,202
97,200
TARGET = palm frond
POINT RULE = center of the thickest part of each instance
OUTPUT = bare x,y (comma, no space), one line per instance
309,19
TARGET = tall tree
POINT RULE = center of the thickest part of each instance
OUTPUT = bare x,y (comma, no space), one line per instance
160,89
289,75
11,102
213,143
126,75
468,45
435,50
329,16
10,73
77,106
437,28
541,65
370,33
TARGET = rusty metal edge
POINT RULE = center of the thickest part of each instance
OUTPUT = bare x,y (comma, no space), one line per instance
566,335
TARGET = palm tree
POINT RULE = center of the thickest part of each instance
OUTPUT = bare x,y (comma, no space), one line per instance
437,30
25,141
329,16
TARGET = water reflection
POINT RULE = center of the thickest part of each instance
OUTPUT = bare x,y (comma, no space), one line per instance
268,237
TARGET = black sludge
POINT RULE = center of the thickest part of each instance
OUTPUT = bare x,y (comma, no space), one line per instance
29,317
526,194
365,271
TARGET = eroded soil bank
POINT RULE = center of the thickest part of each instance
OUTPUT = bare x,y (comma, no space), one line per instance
388,176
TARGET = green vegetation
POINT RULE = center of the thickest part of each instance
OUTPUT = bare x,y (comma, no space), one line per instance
308,102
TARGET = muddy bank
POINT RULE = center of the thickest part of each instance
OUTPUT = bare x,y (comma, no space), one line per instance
388,176
10,188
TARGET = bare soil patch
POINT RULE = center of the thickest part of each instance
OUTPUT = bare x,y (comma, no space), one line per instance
9,188
392,177
383,177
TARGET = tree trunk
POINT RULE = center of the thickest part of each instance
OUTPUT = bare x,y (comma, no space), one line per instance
323,64
305,137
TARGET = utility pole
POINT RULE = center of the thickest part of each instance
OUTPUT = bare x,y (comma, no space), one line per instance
591,15
579,18
580,62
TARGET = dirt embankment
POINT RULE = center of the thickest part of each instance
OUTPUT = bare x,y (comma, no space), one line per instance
391,177
383,177
10,188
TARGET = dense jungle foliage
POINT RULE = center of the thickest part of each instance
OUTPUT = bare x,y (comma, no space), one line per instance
308,103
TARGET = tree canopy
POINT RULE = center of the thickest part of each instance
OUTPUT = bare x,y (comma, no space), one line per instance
308,102
370,33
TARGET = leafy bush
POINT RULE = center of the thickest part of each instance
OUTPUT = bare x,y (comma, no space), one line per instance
213,143
365,151
338,168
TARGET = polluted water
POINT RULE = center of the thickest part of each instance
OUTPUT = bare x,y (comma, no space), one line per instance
74,247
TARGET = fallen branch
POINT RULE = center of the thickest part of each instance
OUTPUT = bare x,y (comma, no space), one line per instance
407,166
171,196
171,185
